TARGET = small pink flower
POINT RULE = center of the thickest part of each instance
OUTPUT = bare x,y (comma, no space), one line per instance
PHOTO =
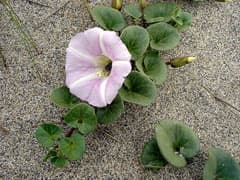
97,62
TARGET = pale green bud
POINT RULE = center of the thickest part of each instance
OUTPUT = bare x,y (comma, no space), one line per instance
117,4
181,61
142,3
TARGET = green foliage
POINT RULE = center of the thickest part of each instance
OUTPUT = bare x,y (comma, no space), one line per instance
161,12
133,10
111,112
153,66
221,165
138,89
46,134
59,162
108,18
62,97
151,156
136,39
163,36
72,147
176,142
183,21
82,117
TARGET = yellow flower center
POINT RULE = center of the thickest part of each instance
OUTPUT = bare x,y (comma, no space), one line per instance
104,66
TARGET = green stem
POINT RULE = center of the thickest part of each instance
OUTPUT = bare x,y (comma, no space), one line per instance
85,2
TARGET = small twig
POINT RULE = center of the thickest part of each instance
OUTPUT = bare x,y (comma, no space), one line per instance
51,14
109,135
37,3
3,58
69,133
25,35
221,100
85,2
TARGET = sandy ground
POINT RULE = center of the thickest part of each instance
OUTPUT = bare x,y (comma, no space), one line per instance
24,101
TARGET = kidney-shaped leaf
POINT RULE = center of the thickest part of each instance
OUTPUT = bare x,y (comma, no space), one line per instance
108,18
136,39
163,36
46,134
73,147
133,10
160,12
111,112
82,117
176,141
151,156
185,19
59,162
62,97
153,66
221,165
138,89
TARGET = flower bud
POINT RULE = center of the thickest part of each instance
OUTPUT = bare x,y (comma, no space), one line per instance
181,61
117,4
142,3
224,0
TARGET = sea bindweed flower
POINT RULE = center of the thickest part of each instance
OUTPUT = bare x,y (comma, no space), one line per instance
96,63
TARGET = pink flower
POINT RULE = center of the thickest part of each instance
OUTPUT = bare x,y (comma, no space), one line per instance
97,62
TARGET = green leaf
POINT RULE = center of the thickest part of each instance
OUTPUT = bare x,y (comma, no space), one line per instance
136,39
133,10
62,97
73,147
51,153
82,117
138,89
151,156
160,12
109,18
221,165
185,19
176,142
59,162
46,134
163,36
153,66
110,113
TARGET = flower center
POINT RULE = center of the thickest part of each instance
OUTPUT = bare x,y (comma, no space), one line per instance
104,66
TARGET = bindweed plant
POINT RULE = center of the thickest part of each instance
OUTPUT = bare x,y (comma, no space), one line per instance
113,63
174,143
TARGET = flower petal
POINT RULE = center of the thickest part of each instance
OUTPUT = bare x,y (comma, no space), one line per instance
87,42
113,47
97,94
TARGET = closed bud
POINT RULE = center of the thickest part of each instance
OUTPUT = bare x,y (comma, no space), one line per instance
181,61
117,4
142,3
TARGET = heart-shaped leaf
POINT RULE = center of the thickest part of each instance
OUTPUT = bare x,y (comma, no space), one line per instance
73,147
82,117
136,39
108,18
133,10
59,162
62,97
185,19
163,36
160,12
111,112
153,66
176,142
151,156
138,89
221,165
46,134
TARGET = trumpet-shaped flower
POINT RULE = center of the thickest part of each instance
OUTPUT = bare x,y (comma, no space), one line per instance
97,62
